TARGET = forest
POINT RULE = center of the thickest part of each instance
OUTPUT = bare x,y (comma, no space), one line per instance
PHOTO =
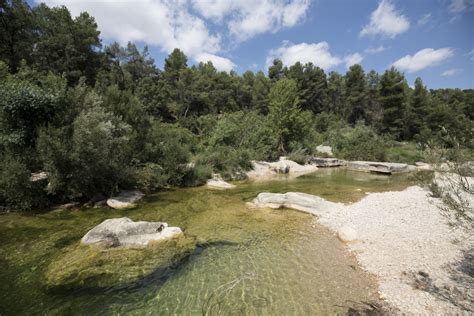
99,118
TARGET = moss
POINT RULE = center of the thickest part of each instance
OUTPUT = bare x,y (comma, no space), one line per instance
80,266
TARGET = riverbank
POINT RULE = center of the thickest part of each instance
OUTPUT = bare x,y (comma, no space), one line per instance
422,263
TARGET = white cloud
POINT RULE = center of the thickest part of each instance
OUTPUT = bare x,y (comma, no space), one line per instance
375,50
316,53
424,58
458,6
451,72
221,63
353,59
174,24
157,23
386,21
471,55
424,19
251,18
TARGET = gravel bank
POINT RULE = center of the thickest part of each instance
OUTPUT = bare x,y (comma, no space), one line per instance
422,264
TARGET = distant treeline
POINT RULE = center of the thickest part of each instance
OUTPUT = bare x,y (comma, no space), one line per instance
98,119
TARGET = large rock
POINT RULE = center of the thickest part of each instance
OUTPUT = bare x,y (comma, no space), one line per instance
328,162
125,200
326,150
298,201
378,167
216,182
263,170
125,232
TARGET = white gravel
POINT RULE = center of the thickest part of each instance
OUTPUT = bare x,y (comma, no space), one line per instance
400,234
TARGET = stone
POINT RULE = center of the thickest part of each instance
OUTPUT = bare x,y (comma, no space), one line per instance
69,206
327,150
123,231
294,200
347,233
328,162
263,170
125,199
423,166
38,176
378,167
216,182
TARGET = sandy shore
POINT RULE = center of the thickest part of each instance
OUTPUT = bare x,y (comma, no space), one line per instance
421,262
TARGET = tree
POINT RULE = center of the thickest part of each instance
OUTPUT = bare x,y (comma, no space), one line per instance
312,86
276,71
17,32
284,111
88,157
393,101
336,94
374,111
419,108
356,94
65,45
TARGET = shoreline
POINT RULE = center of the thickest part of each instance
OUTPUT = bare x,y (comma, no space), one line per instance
407,244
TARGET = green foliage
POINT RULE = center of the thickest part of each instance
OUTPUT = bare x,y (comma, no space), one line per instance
285,114
408,153
357,143
89,157
17,192
356,94
393,101
23,108
99,120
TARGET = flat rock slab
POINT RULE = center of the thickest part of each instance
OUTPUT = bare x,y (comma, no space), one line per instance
125,199
123,231
378,167
328,162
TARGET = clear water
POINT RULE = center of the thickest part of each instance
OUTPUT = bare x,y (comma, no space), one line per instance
251,262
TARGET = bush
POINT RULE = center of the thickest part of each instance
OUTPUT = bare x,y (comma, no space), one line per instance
300,156
88,158
357,143
150,177
17,192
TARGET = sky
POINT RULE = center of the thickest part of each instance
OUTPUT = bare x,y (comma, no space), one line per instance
431,39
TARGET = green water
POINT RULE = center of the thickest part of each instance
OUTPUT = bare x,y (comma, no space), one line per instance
263,262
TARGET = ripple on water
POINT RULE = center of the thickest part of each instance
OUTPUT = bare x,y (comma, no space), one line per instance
247,262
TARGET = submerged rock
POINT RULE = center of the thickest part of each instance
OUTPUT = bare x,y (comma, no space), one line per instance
378,167
84,267
125,232
125,199
216,182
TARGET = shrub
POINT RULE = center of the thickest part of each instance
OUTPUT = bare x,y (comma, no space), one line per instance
17,192
358,143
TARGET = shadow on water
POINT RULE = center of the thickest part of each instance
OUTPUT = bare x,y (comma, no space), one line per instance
156,278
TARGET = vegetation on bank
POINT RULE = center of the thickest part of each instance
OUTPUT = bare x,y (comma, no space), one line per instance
98,119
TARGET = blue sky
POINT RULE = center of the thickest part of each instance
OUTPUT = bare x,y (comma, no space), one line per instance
432,39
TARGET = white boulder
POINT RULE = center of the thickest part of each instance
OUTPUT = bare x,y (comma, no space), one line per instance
327,150
125,200
123,231
347,233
